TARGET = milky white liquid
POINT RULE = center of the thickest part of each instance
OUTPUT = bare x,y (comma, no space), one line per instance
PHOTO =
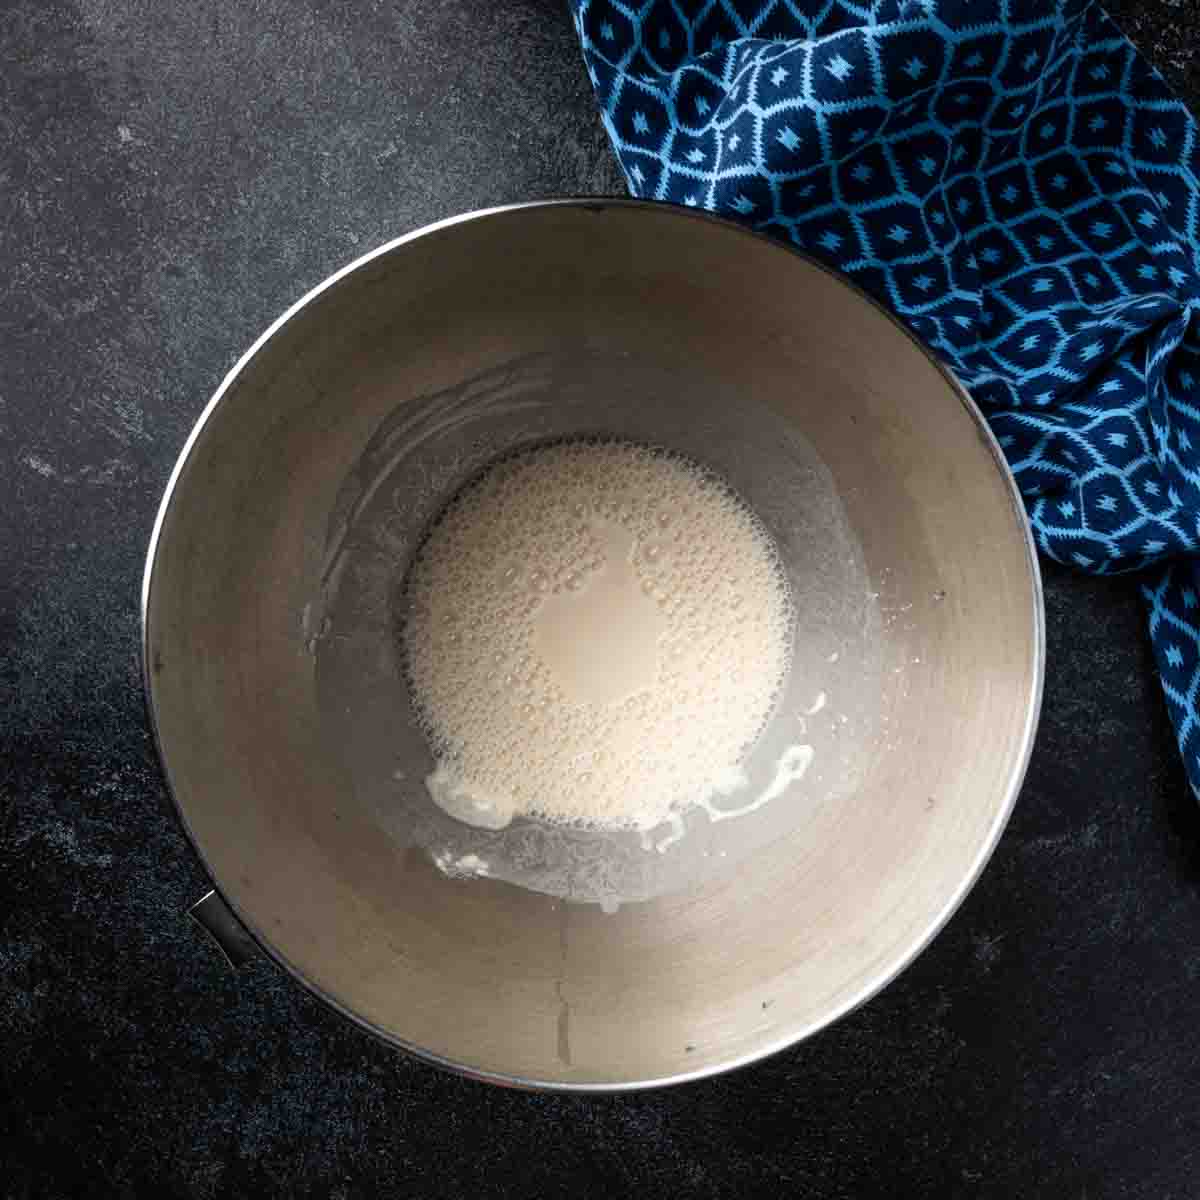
596,635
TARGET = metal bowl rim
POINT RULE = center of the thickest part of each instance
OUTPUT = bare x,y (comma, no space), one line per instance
937,922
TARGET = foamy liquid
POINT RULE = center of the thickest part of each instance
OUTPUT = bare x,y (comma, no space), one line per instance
596,635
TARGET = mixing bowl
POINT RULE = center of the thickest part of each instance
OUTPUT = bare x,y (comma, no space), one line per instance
273,603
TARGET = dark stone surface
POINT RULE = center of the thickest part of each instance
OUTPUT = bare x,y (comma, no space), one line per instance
173,175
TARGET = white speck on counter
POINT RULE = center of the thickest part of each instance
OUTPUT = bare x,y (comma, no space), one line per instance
40,465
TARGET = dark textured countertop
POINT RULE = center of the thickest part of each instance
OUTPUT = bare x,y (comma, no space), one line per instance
173,175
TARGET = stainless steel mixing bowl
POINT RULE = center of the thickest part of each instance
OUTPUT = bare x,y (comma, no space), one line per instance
278,702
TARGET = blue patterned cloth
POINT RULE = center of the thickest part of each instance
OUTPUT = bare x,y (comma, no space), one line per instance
1013,180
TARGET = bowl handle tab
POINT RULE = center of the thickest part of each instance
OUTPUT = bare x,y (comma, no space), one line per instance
213,915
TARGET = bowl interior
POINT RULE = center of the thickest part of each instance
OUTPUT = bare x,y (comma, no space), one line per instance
281,712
